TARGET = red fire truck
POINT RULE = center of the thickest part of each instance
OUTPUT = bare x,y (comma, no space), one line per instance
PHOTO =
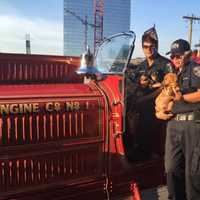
63,135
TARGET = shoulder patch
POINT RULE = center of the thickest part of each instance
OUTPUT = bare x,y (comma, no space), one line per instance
169,64
169,67
196,71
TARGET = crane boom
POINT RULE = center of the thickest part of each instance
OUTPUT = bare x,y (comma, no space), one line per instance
83,21
98,22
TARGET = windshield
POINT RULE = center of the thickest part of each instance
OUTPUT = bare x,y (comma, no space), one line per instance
114,52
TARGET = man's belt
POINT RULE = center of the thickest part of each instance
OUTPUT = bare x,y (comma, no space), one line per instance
184,117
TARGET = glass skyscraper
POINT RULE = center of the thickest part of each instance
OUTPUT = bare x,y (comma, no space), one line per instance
116,19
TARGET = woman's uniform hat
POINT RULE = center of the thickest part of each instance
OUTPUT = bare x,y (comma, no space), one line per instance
179,47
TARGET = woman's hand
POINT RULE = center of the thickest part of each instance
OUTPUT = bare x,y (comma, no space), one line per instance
177,94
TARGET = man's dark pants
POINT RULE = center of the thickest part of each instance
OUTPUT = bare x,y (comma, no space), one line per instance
182,160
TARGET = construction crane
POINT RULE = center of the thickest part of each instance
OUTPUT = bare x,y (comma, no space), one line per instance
98,23
84,22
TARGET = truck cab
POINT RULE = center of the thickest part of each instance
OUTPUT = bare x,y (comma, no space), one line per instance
64,135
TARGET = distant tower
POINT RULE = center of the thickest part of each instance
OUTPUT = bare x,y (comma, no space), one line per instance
98,22
28,44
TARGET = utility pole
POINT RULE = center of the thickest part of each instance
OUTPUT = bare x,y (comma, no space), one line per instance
191,19
28,44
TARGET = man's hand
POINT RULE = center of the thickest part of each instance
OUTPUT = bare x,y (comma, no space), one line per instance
144,81
163,110
178,95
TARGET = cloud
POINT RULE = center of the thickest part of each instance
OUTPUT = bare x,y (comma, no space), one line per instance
46,36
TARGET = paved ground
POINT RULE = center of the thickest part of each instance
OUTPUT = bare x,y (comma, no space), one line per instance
159,193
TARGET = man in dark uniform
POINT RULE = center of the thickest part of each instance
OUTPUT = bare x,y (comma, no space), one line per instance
155,66
142,81
154,62
182,152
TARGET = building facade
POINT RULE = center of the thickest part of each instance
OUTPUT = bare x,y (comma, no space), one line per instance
76,12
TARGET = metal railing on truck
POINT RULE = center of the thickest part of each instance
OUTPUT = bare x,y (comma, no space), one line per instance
23,68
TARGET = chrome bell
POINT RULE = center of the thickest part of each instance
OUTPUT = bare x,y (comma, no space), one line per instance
87,66
87,63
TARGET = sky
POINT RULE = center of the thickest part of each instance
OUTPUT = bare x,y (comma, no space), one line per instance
43,20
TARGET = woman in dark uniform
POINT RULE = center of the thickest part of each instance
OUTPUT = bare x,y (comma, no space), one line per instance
182,152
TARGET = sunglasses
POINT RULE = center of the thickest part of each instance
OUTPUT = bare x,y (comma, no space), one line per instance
148,46
176,56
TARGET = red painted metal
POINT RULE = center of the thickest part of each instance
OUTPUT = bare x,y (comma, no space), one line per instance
53,147
135,191
197,60
23,68
48,148
44,90
64,139
111,87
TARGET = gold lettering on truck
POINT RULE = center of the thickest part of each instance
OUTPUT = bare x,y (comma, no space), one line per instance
70,106
36,107
57,106
15,108
19,108
4,108
52,106
27,108
49,106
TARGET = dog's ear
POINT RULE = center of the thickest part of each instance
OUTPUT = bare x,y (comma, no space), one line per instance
174,77
169,78
166,80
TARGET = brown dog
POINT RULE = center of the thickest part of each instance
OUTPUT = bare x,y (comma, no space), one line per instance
164,101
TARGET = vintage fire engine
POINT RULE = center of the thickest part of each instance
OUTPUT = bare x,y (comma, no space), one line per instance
63,134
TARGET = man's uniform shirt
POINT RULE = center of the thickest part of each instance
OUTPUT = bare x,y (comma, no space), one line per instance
160,67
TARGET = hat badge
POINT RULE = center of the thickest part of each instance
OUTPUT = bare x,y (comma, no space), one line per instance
175,46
